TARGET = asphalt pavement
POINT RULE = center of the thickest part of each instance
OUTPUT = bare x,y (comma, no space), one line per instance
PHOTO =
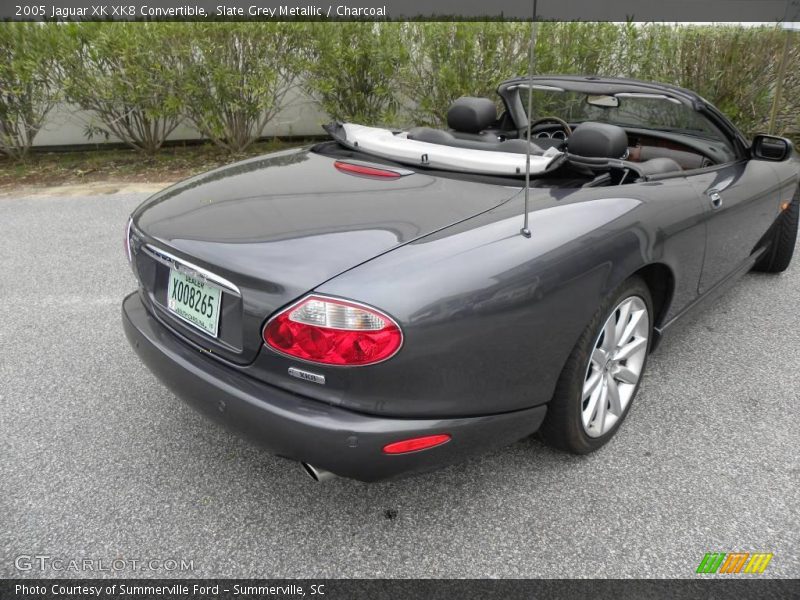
99,461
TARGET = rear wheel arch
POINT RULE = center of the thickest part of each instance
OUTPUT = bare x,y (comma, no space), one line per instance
661,281
562,427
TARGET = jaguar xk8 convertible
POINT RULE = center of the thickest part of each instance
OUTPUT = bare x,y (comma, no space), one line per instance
382,303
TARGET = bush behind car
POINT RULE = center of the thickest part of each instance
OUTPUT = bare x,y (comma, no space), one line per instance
230,80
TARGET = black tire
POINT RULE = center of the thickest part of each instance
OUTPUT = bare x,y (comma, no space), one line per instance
562,427
783,238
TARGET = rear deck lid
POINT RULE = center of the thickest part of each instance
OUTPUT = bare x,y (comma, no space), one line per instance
278,226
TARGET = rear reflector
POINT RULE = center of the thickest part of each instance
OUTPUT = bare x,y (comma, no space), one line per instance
366,171
330,331
416,444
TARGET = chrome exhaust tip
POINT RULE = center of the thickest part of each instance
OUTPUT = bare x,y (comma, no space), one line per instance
316,473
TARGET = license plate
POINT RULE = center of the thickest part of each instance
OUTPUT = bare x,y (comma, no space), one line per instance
194,300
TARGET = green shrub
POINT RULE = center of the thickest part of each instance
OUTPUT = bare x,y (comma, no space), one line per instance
231,79
29,55
575,49
734,67
448,60
354,70
238,76
128,75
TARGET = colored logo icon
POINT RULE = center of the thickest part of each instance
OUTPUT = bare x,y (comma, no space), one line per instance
734,562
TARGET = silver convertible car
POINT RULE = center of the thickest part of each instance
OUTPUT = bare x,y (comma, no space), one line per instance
388,302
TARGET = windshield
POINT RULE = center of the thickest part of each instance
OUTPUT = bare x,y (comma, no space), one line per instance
635,110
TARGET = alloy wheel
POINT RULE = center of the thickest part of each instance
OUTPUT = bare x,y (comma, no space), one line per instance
615,366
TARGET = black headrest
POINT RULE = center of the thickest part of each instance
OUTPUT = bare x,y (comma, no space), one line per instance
471,115
598,140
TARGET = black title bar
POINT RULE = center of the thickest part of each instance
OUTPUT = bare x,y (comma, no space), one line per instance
283,10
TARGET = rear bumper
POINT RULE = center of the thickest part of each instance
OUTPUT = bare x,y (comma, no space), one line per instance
341,441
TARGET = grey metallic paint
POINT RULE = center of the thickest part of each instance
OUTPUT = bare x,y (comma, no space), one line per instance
341,441
488,316
282,224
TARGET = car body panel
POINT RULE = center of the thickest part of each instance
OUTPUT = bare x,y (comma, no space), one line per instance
343,442
489,316
741,202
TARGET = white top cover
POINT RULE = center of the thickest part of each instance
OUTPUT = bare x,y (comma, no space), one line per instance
384,143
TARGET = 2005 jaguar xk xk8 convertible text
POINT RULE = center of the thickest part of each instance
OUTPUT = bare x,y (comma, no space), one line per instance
372,306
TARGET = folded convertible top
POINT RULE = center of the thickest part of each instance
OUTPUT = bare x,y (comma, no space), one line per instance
397,147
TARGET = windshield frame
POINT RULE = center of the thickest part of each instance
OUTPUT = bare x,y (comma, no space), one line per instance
577,102
592,85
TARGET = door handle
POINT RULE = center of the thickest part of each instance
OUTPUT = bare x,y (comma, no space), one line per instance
716,199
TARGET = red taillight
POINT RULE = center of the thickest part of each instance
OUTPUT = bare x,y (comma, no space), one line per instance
416,444
333,332
366,171
128,239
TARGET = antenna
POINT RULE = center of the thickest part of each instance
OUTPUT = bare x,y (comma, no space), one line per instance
525,231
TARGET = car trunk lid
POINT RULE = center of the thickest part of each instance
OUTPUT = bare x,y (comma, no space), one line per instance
278,226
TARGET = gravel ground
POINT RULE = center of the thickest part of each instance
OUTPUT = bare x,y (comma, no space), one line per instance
98,460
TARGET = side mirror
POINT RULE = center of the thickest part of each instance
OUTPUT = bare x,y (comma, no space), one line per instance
770,147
